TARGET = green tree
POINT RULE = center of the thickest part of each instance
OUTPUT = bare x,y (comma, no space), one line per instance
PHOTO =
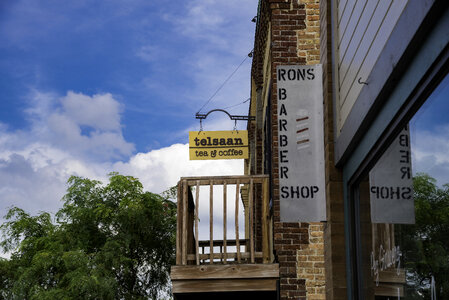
109,241
426,243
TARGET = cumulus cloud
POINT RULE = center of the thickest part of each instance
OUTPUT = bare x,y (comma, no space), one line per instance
35,164
99,111
84,126
162,168
33,189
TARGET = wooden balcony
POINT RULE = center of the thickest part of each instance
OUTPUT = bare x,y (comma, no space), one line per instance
240,259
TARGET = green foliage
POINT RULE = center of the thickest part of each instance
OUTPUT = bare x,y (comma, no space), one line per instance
171,194
108,242
426,243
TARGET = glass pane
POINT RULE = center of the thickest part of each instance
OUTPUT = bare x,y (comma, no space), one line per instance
403,210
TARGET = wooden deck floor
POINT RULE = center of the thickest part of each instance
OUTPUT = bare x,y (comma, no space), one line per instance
224,278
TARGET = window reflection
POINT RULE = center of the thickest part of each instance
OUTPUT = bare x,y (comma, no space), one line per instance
404,220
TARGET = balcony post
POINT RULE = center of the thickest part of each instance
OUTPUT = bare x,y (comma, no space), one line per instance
251,220
224,222
179,225
197,203
211,220
265,222
237,241
185,196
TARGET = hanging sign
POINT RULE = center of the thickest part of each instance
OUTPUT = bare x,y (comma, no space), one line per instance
301,143
391,184
218,145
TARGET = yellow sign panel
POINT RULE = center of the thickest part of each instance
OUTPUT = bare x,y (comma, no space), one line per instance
218,145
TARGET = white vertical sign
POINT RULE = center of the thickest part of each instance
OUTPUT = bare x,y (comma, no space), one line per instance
391,184
301,143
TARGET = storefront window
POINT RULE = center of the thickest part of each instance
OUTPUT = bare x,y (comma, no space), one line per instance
402,210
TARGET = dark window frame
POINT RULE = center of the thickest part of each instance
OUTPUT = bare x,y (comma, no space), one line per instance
433,77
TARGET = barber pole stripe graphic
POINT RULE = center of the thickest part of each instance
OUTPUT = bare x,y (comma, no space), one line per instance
302,130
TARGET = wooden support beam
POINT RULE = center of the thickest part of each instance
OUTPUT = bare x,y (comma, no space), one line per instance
265,222
224,221
211,221
237,194
251,220
184,221
179,225
197,204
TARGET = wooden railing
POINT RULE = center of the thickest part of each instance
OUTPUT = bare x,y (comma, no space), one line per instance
190,250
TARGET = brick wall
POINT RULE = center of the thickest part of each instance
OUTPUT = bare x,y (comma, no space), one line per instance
295,36
260,42
294,30
289,238
334,246
311,263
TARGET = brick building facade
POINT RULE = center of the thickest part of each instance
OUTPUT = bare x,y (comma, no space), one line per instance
295,33
381,62
365,49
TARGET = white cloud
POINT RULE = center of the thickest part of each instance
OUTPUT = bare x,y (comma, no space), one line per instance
162,168
84,126
99,111
35,178
429,153
35,164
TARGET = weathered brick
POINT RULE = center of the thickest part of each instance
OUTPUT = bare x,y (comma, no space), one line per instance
295,39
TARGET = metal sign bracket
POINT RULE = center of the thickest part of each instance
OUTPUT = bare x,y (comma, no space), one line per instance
232,117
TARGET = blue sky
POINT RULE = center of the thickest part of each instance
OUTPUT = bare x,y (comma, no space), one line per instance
89,87
159,59
429,130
